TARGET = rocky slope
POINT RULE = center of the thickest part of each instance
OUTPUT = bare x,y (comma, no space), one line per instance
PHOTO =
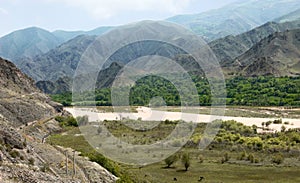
59,62
21,102
228,48
276,55
26,119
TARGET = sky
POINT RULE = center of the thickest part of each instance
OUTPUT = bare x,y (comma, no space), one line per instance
89,14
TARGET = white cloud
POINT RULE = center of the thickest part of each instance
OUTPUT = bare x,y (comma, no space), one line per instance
3,11
104,9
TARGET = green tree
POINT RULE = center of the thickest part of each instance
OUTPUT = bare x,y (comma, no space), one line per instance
171,160
186,161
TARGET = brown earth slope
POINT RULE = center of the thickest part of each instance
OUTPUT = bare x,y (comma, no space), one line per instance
26,119
276,55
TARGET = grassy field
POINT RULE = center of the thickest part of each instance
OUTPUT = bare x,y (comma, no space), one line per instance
235,169
215,172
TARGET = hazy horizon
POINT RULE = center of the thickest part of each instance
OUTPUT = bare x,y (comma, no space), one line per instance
89,14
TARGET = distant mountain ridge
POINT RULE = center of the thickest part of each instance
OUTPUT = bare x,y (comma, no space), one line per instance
235,18
67,35
289,17
232,19
27,43
33,41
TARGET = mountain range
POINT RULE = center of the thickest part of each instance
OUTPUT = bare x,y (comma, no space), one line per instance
249,38
33,41
233,19
51,58
230,47
236,18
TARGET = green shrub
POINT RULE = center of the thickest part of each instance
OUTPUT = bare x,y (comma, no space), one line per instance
251,158
268,123
277,121
66,121
186,161
14,154
31,161
242,156
45,167
278,159
171,160
59,119
225,157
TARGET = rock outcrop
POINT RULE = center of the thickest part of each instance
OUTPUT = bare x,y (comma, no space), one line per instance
20,101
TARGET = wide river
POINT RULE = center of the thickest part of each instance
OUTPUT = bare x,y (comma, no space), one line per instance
147,114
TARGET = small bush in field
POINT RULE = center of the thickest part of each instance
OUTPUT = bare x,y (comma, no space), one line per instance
278,159
186,161
201,158
171,160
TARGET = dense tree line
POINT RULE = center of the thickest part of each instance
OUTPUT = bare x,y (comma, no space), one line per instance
253,91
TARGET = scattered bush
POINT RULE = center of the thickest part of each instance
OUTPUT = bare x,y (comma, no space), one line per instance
251,158
99,130
278,159
14,154
283,128
31,161
225,158
66,121
268,123
201,158
242,156
45,167
186,161
171,160
277,121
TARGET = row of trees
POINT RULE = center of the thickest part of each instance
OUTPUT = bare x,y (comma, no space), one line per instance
257,91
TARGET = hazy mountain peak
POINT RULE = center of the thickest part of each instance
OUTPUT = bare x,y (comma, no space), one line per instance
235,18
27,43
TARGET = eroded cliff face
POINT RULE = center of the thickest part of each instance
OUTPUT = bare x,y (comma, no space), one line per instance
20,101
27,117
18,160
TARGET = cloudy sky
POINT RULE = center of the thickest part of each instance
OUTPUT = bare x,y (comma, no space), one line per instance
89,14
